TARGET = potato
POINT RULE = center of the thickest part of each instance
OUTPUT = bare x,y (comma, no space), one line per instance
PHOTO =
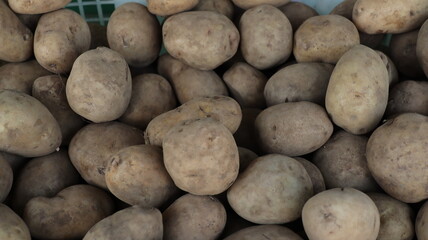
222,108
397,157
390,66
261,232
297,13
91,148
134,33
324,39
315,174
6,179
134,222
224,7
246,85
287,181
246,156
246,4
170,7
152,95
343,163
43,176
37,7
246,132
15,161
266,37
201,156
421,221
21,76
396,218
293,128
422,48
299,82
98,35
68,215
357,93
16,38
194,217
201,39
404,54
137,176
341,213
389,16
12,227
49,90
99,87
60,37
37,133
408,96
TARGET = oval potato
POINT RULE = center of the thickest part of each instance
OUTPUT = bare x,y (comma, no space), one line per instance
12,227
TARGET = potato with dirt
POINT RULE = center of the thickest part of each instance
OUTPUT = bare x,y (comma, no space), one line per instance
12,227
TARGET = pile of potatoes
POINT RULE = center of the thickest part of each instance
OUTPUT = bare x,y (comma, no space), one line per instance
263,120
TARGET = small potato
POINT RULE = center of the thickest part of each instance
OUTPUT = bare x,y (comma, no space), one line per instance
397,157
201,39
91,148
99,87
421,222
408,96
259,193
37,7
422,47
68,215
12,227
246,132
246,4
134,33
37,133
317,178
299,82
224,7
6,179
201,156
324,39
293,128
170,7
297,13
261,232
60,37
390,66
134,222
194,217
341,213
246,156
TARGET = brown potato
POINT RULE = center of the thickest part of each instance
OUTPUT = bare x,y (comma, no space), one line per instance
259,193
421,222
170,7
422,48
317,178
408,96
272,232
404,54
224,7
397,157
246,132
246,4
390,66
194,217
6,179
297,13
68,215
37,7
12,227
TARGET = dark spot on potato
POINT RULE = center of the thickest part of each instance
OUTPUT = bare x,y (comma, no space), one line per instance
26,37
101,170
274,128
411,13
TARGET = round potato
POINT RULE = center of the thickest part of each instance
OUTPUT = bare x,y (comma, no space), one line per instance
390,66
422,48
170,7
408,96
6,179
60,37
201,39
224,7
297,13
194,217
246,132
37,7
317,178
421,222
246,4
341,213
397,157
272,232
12,227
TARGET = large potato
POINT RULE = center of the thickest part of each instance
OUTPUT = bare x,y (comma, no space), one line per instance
261,232
422,47
37,133
266,36
246,4
421,222
99,87
6,179
224,7
297,13
37,7
68,215
341,213
397,157
194,217
293,128
12,227
170,7
408,96
201,156
131,223
357,93
91,148
201,39
60,37
134,33
315,174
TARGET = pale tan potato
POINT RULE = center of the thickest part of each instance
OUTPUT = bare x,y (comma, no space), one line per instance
201,156
246,4
6,179
246,132
201,39
246,85
37,133
224,7
397,157
262,232
91,148
135,33
422,47
299,82
389,16
194,217
60,37
293,128
16,38
69,214
297,13
357,93
246,156
421,222
390,66
259,193
170,7
396,218
135,222
12,227
37,7
324,39
408,96
99,87
341,213
404,54
98,35
315,174
222,108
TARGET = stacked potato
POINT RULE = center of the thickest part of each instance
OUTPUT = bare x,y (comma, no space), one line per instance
263,120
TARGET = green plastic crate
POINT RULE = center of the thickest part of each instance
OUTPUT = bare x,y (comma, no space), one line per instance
93,10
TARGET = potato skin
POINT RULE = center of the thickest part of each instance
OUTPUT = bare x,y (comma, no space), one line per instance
6,179
398,148
246,4
315,174
422,48
421,221
297,13
12,227
273,232
170,7
224,7
408,96
37,7
403,48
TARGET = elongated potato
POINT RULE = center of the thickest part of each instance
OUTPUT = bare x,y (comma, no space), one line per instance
170,7
272,232
246,4
6,179
37,7
12,227
422,48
